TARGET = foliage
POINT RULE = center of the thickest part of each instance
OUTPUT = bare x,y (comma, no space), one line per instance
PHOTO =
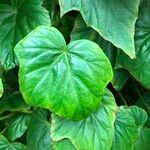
74,75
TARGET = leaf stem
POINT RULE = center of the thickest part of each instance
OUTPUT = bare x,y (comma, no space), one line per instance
122,99
7,116
3,130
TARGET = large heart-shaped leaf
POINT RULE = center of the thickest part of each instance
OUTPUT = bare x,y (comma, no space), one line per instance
18,19
114,20
69,80
139,67
93,133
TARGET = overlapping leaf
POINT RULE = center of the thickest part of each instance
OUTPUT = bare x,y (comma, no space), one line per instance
114,20
140,117
38,134
139,67
6,145
18,19
125,130
18,124
69,80
94,132
82,31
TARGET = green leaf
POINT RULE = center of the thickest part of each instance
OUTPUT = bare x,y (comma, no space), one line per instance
139,67
142,143
17,126
38,134
17,20
120,78
82,31
69,80
125,130
64,144
13,102
139,115
114,21
1,88
6,145
94,132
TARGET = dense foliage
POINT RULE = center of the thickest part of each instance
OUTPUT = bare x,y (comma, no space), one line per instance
74,75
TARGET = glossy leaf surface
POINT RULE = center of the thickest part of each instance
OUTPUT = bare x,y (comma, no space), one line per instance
69,80
94,132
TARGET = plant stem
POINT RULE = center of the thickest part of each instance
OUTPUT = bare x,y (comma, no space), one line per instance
3,130
7,116
122,99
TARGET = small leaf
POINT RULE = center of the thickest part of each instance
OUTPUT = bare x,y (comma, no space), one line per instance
38,134
69,80
94,132
17,20
6,145
139,115
125,130
115,21
17,126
